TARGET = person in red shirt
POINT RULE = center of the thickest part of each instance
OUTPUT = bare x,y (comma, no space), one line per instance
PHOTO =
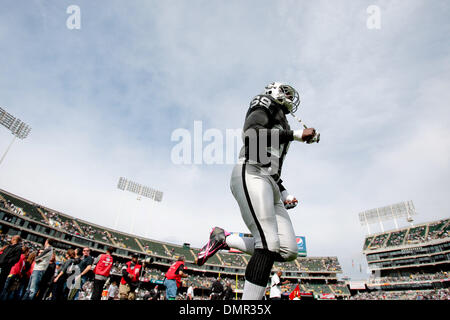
14,276
103,264
131,272
26,272
173,278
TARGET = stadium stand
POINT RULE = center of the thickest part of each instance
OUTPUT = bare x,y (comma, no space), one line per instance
397,238
379,241
367,242
416,235
340,289
123,241
411,277
57,220
318,264
316,288
438,230
232,259
93,233
22,207
407,236
153,247
407,261
175,251
437,294
71,232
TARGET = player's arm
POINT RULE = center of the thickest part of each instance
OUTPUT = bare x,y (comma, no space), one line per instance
259,119
288,200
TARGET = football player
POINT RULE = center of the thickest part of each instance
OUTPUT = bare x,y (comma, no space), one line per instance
257,187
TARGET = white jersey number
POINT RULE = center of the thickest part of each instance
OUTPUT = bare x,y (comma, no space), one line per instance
260,100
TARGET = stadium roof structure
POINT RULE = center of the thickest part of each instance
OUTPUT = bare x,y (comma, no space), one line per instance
390,212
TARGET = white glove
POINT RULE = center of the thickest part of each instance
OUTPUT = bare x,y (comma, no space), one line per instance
289,201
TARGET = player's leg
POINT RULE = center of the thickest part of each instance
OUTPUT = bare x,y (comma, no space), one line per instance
286,234
255,196
244,244
254,193
219,238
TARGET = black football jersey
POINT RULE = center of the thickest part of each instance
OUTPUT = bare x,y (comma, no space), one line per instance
266,134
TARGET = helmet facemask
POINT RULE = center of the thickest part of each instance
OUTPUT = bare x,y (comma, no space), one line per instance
291,98
285,95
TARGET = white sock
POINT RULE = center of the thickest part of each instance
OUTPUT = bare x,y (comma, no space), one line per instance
253,291
246,244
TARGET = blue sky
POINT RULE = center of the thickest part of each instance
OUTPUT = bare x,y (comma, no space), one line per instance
104,100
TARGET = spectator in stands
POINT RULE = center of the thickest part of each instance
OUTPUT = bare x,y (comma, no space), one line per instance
53,290
9,257
26,274
41,264
131,272
113,291
173,278
13,280
85,267
60,291
275,286
155,293
75,283
46,279
190,292
217,290
228,293
103,264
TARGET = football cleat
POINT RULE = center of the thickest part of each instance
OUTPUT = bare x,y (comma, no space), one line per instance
215,243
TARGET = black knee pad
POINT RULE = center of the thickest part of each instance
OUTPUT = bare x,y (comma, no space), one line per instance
259,266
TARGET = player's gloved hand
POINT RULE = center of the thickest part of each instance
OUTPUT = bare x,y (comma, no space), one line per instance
289,201
304,135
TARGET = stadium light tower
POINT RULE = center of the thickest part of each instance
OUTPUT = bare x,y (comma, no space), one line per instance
18,128
140,190
392,212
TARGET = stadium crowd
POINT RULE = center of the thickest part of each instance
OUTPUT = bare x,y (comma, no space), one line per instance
30,278
438,294
55,221
421,234
23,281
414,277
417,234
6,204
